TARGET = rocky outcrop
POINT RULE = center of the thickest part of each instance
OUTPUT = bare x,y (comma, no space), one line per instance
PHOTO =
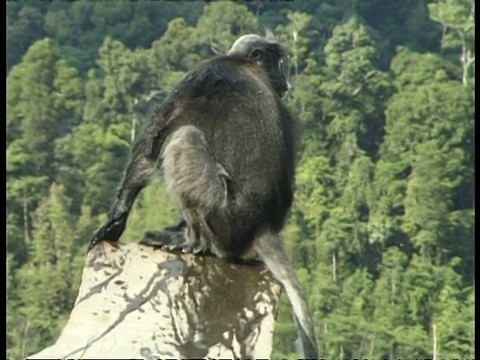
140,303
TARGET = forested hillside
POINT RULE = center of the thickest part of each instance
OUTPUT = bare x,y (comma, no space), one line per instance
382,228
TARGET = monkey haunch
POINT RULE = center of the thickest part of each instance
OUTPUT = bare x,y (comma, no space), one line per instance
230,164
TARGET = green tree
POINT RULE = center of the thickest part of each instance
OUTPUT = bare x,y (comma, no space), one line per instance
453,321
222,23
382,228
23,28
294,39
100,145
16,325
352,94
48,283
172,53
421,184
429,141
457,19
44,100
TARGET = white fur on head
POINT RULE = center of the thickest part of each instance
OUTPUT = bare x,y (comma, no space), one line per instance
245,43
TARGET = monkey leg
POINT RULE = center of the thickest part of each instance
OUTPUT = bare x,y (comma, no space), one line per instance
141,165
200,186
192,175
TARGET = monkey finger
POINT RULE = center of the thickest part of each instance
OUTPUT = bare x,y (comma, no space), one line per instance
98,238
170,247
92,244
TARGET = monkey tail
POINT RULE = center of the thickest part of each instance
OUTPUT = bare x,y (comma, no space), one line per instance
272,251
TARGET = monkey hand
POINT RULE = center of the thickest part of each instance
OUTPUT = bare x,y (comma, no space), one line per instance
111,231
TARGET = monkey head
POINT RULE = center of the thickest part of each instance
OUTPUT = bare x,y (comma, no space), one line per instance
266,53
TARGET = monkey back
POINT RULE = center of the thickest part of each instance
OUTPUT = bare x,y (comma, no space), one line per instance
251,134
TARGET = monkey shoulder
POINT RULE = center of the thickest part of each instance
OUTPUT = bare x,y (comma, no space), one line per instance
218,76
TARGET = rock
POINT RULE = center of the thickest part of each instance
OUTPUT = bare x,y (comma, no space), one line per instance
140,303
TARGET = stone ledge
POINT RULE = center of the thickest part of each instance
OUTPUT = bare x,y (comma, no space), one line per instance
140,303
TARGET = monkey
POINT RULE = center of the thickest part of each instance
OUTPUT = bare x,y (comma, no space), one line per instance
230,165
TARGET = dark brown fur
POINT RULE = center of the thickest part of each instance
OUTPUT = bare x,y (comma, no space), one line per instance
230,165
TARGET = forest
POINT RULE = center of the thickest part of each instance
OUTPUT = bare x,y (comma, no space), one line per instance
382,228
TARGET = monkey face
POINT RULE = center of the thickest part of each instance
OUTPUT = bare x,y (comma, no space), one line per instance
271,57
266,53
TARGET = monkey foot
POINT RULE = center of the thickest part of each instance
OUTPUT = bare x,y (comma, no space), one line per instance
250,262
111,231
174,241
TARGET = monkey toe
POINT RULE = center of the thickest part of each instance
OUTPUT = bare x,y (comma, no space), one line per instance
175,242
171,248
159,239
172,242
196,249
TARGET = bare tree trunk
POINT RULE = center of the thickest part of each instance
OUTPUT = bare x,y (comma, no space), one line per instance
334,267
133,129
372,348
24,336
295,52
26,230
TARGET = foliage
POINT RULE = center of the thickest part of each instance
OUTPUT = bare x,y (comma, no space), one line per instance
382,227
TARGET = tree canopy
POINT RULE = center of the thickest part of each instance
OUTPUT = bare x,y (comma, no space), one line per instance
382,227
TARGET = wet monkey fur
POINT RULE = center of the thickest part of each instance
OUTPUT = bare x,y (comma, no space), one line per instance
230,164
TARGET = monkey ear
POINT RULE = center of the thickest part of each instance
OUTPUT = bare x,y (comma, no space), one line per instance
269,34
256,55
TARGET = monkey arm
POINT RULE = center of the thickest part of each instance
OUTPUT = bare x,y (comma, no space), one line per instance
141,165
137,176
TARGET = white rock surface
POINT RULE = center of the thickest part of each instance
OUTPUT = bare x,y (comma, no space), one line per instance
136,302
